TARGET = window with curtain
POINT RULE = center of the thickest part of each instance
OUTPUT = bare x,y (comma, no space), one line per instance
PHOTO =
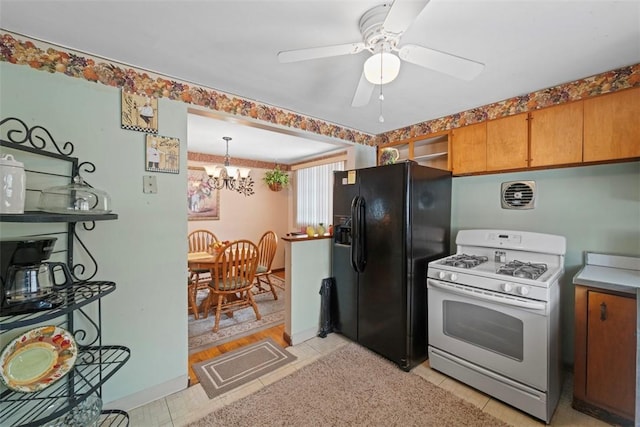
314,194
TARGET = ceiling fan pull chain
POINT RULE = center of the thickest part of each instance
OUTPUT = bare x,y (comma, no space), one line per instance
381,96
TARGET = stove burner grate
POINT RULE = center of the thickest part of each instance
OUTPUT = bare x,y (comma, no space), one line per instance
464,260
525,270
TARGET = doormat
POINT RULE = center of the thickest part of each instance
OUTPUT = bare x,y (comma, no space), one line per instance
238,367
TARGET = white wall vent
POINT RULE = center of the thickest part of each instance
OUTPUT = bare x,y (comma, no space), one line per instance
518,194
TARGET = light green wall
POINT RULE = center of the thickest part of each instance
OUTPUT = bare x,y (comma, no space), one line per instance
144,251
597,209
307,263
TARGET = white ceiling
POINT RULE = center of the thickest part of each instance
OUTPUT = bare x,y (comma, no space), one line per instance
252,141
232,46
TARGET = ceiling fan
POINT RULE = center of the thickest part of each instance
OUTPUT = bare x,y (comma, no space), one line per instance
381,28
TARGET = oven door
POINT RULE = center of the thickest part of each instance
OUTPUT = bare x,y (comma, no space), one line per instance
504,334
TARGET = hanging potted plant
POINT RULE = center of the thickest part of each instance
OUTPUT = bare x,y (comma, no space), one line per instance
276,179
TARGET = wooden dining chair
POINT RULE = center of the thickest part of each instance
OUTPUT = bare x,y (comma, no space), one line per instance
199,241
266,252
233,274
192,291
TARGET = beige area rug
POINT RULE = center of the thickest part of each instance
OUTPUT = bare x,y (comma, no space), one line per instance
243,322
350,387
231,370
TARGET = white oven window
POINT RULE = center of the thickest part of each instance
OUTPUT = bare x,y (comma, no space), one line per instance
484,327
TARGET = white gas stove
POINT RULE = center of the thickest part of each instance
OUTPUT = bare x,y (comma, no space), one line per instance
518,263
494,316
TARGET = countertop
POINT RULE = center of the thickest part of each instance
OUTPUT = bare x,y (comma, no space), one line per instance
613,272
304,237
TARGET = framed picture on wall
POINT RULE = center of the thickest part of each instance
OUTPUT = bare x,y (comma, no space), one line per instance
139,113
162,154
203,201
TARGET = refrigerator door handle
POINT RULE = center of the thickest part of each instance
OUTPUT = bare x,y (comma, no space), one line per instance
361,235
354,233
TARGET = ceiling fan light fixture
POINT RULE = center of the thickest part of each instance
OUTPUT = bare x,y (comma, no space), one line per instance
381,68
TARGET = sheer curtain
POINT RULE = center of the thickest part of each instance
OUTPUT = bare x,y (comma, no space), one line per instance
314,194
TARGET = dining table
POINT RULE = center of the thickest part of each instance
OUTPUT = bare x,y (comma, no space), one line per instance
202,260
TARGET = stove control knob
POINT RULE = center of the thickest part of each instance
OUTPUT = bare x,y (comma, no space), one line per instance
523,290
454,277
442,275
507,287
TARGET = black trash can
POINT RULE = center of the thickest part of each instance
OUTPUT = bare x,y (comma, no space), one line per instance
326,323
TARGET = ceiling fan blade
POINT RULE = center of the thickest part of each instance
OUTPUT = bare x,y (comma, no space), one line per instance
402,14
319,52
363,92
455,66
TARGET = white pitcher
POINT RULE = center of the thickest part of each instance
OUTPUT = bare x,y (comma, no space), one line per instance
12,196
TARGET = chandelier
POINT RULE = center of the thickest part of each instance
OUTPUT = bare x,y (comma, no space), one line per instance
230,177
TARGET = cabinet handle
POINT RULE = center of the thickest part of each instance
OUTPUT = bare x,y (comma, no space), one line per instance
603,311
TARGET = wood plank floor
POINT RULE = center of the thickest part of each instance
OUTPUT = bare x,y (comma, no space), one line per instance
276,333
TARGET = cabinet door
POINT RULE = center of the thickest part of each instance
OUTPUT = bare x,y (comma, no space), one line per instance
469,149
507,143
611,352
556,135
612,126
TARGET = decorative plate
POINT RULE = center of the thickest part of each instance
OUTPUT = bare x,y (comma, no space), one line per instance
38,358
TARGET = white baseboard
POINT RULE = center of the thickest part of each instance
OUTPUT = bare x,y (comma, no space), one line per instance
149,395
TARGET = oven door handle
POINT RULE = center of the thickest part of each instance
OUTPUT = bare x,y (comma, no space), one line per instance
486,296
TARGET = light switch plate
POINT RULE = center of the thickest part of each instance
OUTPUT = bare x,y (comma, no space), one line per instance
149,184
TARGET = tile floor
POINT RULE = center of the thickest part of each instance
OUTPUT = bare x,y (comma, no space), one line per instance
192,404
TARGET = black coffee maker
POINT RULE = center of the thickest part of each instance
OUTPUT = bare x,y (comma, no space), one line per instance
29,282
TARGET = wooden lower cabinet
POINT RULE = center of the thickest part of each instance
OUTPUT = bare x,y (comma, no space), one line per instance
605,354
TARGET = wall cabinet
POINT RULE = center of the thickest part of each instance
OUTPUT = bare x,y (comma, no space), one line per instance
603,128
507,143
80,311
490,146
556,135
605,354
428,150
469,149
612,126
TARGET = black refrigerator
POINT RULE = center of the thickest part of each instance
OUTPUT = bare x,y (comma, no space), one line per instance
389,222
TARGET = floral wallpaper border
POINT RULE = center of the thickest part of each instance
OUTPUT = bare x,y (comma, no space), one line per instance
42,56
46,57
